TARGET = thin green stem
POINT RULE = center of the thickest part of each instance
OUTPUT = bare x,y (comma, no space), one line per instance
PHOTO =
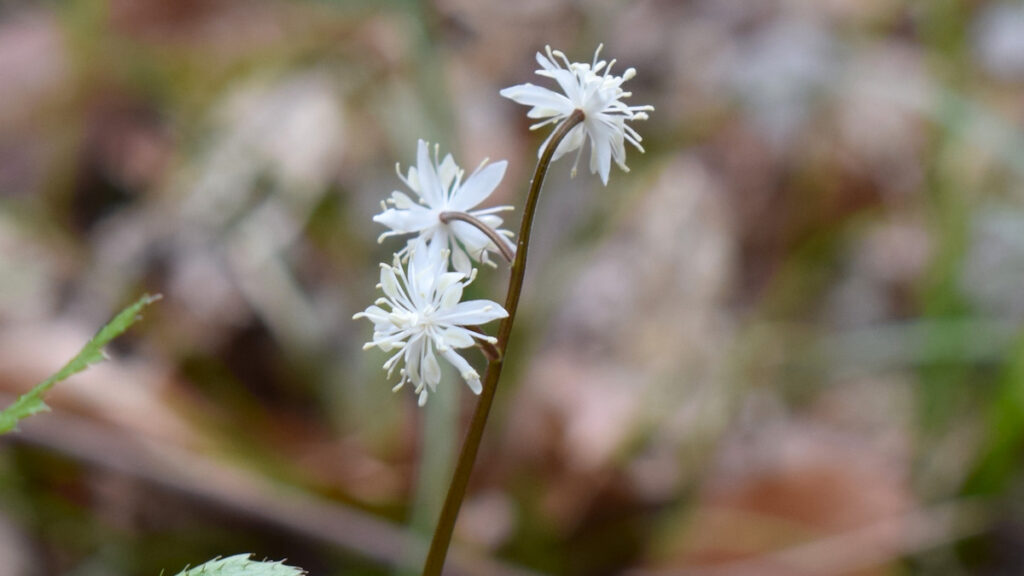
457,489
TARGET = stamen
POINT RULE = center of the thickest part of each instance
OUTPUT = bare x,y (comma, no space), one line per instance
493,210
560,54
545,122
485,343
576,164
608,70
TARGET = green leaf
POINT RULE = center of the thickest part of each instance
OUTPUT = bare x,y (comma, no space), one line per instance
241,565
31,402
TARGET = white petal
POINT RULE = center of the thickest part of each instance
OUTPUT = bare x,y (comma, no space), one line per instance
465,370
478,186
447,279
451,296
473,313
430,184
414,219
545,102
389,282
600,156
573,140
474,240
447,171
402,201
377,315
431,369
492,220
570,84
413,180
456,337
423,267
413,353
545,62
460,261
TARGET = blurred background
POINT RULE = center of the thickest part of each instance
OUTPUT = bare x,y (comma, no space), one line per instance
789,342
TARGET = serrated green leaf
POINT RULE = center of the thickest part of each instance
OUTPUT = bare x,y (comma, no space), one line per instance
241,565
31,402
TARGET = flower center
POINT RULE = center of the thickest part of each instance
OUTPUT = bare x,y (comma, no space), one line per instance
417,319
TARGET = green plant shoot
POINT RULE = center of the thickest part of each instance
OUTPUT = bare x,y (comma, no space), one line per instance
241,565
31,402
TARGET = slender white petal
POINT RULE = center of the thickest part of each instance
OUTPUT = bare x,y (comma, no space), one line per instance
467,372
460,260
458,337
389,283
474,312
431,369
451,296
409,220
545,102
431,189
478,186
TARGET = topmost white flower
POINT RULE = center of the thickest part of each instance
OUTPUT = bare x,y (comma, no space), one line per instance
594,90
440,188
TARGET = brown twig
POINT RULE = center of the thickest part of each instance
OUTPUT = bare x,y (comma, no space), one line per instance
499,241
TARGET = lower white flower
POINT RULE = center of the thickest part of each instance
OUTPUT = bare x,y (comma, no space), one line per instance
425,317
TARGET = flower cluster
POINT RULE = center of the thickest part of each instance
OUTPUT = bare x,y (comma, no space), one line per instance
422,314
425,315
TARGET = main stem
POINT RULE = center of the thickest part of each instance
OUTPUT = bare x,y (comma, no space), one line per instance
457,489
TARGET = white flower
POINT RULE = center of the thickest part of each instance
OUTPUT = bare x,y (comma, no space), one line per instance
598,95
439,188
426,317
